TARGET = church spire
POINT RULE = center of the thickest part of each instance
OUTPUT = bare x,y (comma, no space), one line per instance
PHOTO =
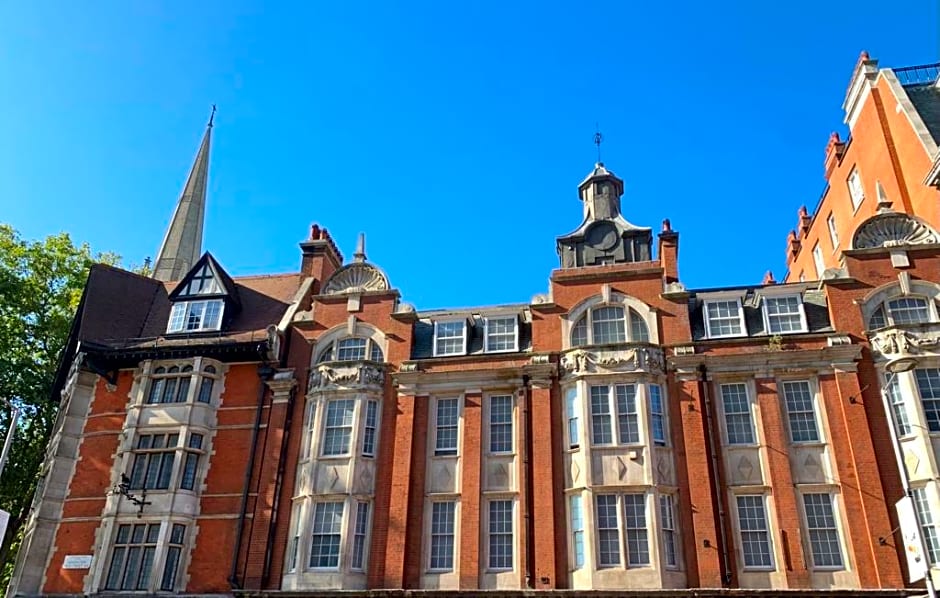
182,244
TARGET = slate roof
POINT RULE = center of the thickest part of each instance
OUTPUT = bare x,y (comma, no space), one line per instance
926,100
123,309
814,305
423,344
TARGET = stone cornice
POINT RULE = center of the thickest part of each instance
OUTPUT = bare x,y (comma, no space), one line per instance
841,358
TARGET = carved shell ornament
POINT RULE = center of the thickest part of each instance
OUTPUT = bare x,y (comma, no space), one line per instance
358,277
891,229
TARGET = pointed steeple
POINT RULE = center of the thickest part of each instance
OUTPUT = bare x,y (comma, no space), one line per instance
182,244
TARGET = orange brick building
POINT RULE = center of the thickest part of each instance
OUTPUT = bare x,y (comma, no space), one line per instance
311,432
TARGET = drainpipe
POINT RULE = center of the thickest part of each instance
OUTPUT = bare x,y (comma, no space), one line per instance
265,371
716,482
528,480
278,481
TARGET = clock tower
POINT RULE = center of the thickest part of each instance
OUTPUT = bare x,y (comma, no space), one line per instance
605,236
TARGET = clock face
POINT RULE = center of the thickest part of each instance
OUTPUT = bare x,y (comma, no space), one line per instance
602,236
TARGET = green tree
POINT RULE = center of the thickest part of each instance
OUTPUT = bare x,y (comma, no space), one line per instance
41,284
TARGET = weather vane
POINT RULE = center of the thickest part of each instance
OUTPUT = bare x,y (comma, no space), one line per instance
598,138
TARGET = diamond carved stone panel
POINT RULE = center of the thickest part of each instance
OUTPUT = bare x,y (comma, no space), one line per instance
330,478
443,476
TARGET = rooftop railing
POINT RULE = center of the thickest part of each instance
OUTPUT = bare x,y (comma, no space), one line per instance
923,74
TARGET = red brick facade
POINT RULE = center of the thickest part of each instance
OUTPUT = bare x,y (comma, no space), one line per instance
619,432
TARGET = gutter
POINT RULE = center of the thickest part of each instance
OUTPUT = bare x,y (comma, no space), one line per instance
716,482
264,373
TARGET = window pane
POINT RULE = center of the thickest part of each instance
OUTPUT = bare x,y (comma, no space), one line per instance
600,415
205,390
783,314
823,533
501,424
327,523
639,333
657,416
359,539
188,480
755,539
928,385
878,319
577,530
737,414
668,524
375,354
723,318
442,536
168,583
638,550
449,338
928,526
338,431
500,549
898,407
608,325
571,412
801,412
448,415
177,315
351,349
608,534
626,414
501,334
908,310
369,430
579,333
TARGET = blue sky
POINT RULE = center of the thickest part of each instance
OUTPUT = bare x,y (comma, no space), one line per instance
453,134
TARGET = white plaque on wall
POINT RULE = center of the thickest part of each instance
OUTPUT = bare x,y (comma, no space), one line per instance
77,561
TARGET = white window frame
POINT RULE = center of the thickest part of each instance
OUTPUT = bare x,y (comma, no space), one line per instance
930,400
927,519
490,533
663,416
455,525
801,311
670,532
344,514
614,413
834,513
447,451
814,411
160,546
856,190
374,427
573,418
351,426
182,310
819,261
643,532
833,233
750,413
708,324
768,530
588,317
330,351
438,338
360,536
490,424
577,529
486,334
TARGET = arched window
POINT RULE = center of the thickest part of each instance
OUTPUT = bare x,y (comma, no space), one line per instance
899,311
609,324
351,348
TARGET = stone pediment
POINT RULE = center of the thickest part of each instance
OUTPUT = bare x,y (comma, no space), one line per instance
644,359
345,375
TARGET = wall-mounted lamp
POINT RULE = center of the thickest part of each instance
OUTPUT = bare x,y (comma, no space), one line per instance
123,489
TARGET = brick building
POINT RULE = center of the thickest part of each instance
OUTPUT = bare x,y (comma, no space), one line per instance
311,431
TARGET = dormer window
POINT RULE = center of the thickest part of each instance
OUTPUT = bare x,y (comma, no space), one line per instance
903,310
352,349
201,300
450,338
609,324
724,318
501,334
784,315
196,316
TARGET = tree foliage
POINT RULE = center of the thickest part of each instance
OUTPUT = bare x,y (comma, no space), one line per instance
41,284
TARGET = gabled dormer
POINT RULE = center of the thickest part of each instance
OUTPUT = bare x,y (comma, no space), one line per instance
205,299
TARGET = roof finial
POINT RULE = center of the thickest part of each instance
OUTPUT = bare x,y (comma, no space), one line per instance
360,255
211,116
598,138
